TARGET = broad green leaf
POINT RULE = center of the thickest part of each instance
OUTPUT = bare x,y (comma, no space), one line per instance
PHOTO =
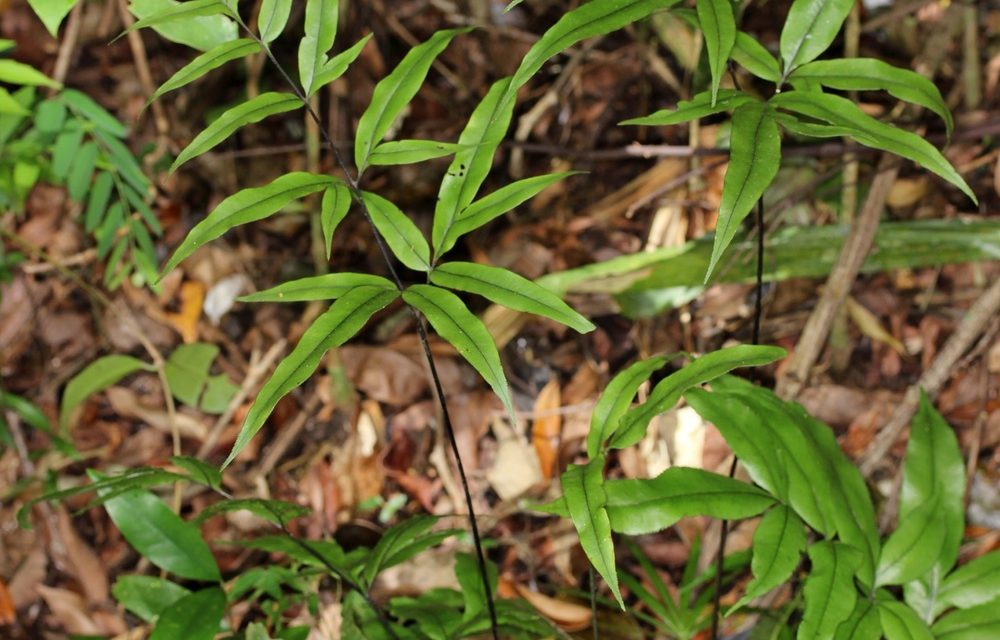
160,536
219,390
394,92
583,488
246,206
489,207
276,511
638,507
187,370
453,321
253,110
752,56
336,66
193,617
862,624
810,28
869,74
400,543
829,589
778,544
410,151
176,12
273,17
870,132
334,327
97,376
697,107
506,288
333,209
669,390
900,622
615,401
321,30
328,286
81,172
13,72
981,622
402,236
50,115
211,59
718,26
202,32
914,547
52,13
146,596
753,162
84,106
973,584
471,583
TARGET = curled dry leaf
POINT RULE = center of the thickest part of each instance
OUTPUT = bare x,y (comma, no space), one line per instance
569,616
547,427
185,321
516,468
127,404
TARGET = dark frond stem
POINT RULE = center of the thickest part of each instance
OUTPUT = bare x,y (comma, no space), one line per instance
593,604
353,184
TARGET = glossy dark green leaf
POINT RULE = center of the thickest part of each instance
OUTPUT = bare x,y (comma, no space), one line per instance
914,547
321,21
752,56
669,390
615,401
778,543
718,26
453,321
697,107
394,92
146,596
276,511
829,589
329,286
972,584
97,376
583,488
211,59
403,237
249,112
753,162
981,622
246,206
334,327
333,209
810,28
273,17
336,66
506,288
900,622
194,617
410,151
649,505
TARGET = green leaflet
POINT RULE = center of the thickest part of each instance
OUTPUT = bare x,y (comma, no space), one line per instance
615,401
146,596
52,13
194,617
201,32
829,589
333,209
810,28
718,25
80,173
253,110
178,12
583,488
199,470
510,290
753,163
273,17
914,547
975,623
870,132
410,151
402,236
778,544
97,376
335,67
10,106
464,331
639,507
467,572
276,511
973,584
900,622
862,624
320,31
83,105
394,92
329,286
752,56
14,72
336,325
212,59
400,543
697,107
669,390
868,74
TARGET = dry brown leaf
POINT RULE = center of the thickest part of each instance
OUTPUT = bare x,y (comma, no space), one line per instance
907,192
87,568
547,427
31,573
185,321
569,616
516,468
8,613
384,374
871,327
127,404
70,609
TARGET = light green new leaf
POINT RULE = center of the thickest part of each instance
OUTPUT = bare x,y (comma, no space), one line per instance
639,507
334,327
146,596
829,590
13,72
914,547
333,209
973,584
900,622
752,56
753,163
778,544
810,28
718,25
273,17
870,132
615,401
583,488
177,12
869,74
506,288
97,376
246,206
669,390
336,66
394,92
10,106
981,622
403,237
321,30
211,59
160,536
202,32
52,13
329,286
253,110
697,107
194,617
410,151
453,321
